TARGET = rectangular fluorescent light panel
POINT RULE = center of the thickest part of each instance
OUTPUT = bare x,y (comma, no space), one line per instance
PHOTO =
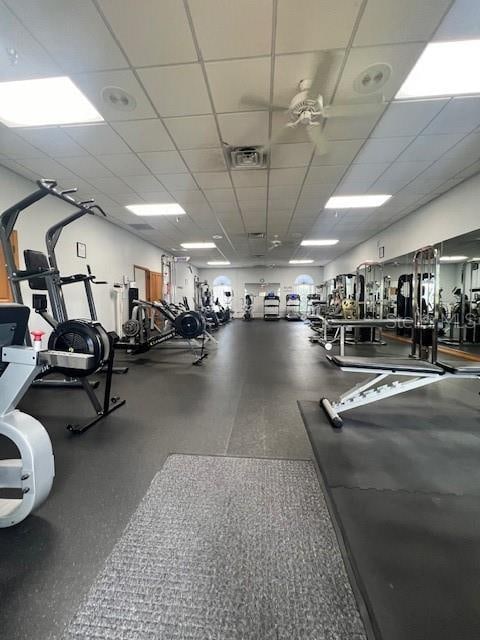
44,101
160,209
453,258
318,243
300,261
218,263
444,69
356,202
198,245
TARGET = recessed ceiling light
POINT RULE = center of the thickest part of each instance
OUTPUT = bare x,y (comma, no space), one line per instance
218,263
44,101
198,245
443,69
217,237
300,261
318,243
160,209
453,258
356,202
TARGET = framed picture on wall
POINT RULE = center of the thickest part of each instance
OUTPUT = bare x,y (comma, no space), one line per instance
81,250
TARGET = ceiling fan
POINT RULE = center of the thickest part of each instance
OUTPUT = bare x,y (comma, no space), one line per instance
307,108
275,243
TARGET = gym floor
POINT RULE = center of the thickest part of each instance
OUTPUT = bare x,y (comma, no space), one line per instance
242,402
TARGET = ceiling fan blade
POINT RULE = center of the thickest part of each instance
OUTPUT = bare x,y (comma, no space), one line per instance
353,110
323,70
259,103
318,138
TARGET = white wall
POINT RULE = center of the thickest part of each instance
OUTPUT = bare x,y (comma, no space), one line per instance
284,275
111,250
450,215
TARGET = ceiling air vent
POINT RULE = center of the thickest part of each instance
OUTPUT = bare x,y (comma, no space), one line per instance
258,235
141,226
181,258
246,157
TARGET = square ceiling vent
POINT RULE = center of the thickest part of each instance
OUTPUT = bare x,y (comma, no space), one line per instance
246,157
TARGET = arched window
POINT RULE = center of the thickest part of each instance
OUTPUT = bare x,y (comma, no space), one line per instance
304,285
222,289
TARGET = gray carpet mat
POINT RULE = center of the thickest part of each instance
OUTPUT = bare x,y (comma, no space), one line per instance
224,549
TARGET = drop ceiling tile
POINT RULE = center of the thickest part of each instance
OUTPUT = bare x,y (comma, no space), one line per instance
461,23
352,128
72,32
225,208
151,33
92,85
16,147
429,147
204,159
460,115
405,171
283,177
111,185
318,24
284,203
213,180
179,90
34,60
470,170
349,186
249,194
144,184
47,168
401,58
163,162
390,21
290,155
407,118
325,174
180,181
86,167
156,197
233,81
127,198
194,132
188,197
232,29
287,192
382,149
144,135
339,152
247,128
97,139
51,140
219,194
254,206
124,164
249,178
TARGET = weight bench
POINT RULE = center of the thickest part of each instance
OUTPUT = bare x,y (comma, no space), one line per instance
420,373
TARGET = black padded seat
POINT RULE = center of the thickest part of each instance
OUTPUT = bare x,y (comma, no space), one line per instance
393,364
472,368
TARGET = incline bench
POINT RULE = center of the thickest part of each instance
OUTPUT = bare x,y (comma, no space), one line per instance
420,372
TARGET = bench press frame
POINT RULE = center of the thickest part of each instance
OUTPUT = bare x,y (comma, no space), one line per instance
371,391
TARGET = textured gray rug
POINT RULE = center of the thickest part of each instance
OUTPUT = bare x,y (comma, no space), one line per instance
224,549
